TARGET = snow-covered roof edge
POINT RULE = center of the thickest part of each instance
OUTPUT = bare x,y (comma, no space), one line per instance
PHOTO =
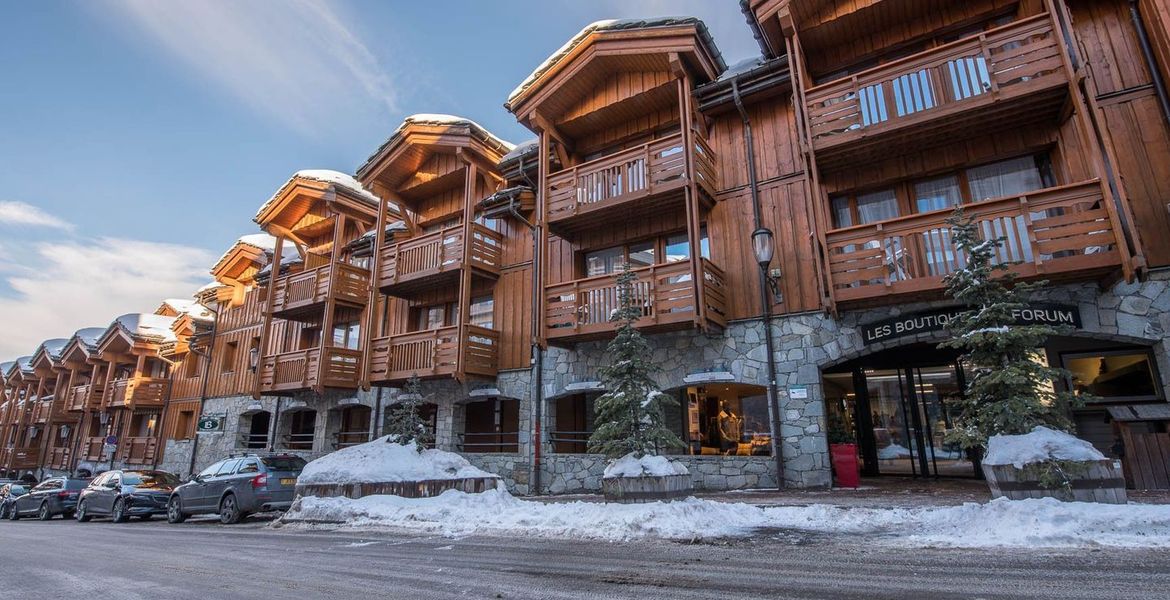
436,119
614,25
336,178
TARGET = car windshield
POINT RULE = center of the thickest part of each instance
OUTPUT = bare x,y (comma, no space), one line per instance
284,463
16,490
149,479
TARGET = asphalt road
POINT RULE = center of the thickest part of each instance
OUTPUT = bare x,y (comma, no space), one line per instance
208,561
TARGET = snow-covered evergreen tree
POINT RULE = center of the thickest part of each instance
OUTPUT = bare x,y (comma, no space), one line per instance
1011,390
404,423
629,417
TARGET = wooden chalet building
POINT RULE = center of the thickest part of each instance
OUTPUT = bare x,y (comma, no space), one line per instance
785,216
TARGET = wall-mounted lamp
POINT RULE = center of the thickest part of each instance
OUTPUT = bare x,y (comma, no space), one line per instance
764,245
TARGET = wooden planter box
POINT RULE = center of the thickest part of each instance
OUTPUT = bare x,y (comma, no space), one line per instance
629,490
1090,481
406,489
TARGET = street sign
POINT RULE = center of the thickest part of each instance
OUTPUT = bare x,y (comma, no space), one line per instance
210,424
111,440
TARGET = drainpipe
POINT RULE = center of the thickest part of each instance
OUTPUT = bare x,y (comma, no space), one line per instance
537,351
272,427
378,414
1148,53
203,384
769,342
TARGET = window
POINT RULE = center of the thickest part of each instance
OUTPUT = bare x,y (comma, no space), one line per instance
302,428
228,364
149,479
211,471
346,335
492,426
1011,177
284,463
185,425
667,249
574,423
191,365
1125,375
937,194
729,420
227,467
493,224
436,316
603,262
310,338
849,210
482,312
249,465
678,246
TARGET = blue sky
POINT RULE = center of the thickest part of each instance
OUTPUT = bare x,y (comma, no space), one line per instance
138,137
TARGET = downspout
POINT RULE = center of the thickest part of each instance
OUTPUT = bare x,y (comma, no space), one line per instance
769,342
275,422
203,384
1148,53
378,413
537,351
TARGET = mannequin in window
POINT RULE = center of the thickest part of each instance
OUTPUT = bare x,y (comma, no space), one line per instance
730,427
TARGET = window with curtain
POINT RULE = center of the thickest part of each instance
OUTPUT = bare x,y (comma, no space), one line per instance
937,194
1011,177
842,216
877,206
601,262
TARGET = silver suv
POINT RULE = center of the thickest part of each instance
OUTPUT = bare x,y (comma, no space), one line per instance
238,486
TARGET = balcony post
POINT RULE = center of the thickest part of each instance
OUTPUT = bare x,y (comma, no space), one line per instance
367,333
265,329
692,200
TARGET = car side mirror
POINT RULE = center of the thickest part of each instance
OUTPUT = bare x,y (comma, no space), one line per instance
196,478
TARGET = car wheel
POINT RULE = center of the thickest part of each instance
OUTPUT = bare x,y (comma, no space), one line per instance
83,512
175,511
229,511
118,515
44,514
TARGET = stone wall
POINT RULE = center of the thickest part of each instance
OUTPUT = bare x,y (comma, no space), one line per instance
581,473
514,469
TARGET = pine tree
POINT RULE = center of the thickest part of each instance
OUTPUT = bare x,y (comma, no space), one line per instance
404,423
1010,391
630,414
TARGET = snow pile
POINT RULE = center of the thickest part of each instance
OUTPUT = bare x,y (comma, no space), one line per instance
647,466
1000,523
384,461
1042,444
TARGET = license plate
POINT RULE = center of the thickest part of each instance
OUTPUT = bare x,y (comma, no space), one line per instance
288,481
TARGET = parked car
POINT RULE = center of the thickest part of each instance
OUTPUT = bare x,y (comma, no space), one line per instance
124,494
9,491
238,486
51,497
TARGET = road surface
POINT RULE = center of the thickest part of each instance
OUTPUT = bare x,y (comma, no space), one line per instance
207,561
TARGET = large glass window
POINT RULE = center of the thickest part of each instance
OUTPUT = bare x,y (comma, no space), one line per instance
482,312
347,335
937,194
1010,177
602,262
728,420
491,426
1113,376
678,246
877,206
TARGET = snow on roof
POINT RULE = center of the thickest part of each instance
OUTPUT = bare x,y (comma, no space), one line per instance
260,241
90,335
24,362
190,308
54,346
1041,445
390,228
742,66
522,149
336,178
437,119
147,326
6,366
208,286
614,25
384,461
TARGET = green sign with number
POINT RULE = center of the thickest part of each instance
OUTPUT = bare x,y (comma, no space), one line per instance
210,423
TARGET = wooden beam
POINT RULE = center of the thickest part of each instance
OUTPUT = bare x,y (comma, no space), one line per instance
266,328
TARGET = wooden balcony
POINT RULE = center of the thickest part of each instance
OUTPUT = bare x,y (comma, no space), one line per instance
83,397
137,450
435,353
633,183
91,448
41,410
436,258
580,310
60,458
24,457
1058,233
136,392
305,292
1004,78
309,369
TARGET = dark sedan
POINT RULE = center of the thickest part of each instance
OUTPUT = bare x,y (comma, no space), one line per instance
124,494
9,492
51,497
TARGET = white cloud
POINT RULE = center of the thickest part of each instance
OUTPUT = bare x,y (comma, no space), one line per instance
65,286
20,213
296,61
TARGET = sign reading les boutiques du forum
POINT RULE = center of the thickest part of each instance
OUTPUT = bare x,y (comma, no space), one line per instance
936,320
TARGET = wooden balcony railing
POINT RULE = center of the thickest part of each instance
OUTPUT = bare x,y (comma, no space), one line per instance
1064,229
24,457
1009,61
136,392
306,289
91,448
83,397
653,168
137,450
60,458
41,411
345,439
438,252
305,369
434,353
666,293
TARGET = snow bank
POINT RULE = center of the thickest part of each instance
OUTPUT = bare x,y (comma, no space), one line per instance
1042,444
647,466
1000,523
384,461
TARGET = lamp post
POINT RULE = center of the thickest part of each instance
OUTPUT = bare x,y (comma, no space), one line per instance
764,246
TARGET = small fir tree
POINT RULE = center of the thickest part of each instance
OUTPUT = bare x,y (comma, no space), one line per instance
404,423
630,414
1010,391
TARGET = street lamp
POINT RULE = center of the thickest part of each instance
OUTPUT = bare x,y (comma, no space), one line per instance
764,245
